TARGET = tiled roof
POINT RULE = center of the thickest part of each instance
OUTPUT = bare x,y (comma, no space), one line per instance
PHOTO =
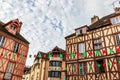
42,53
104,21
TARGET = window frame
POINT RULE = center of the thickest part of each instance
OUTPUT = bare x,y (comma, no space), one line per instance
115,20
2,40
79,49
82,71
102,68
13,27
97,44
56,63
53,74
117,41
16,48
9,70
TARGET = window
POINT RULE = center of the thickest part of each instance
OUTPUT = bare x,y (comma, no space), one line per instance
9,71
16,47
115,20
82,69
80,31
81,47
54,74
13,27
97,44
56,63
118,39
101,68
2,40
77,32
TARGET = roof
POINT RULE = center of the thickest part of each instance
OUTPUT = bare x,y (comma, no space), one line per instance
73,34
60,50
104,21
50,52
42,54
18,35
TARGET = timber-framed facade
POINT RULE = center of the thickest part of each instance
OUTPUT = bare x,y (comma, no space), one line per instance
96,50
12,45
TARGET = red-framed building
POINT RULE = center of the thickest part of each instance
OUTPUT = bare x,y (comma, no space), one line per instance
12,46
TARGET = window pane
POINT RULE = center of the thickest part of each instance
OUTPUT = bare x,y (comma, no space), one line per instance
77,32
97,44
16,47
82,47
118,39
2,40
115,20
82,70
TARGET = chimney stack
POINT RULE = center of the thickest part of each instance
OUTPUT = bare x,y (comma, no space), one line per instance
117,10
94,19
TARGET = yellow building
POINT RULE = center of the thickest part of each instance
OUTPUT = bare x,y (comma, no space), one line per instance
48,68
97,49
12,46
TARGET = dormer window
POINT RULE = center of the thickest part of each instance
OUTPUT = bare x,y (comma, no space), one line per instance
115,20
13,27
80,31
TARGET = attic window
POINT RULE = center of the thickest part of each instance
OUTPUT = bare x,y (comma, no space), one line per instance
115,20
13,27
80,31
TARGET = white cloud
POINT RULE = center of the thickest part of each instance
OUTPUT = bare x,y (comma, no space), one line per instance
47,22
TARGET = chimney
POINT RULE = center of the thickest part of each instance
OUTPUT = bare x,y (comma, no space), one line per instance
94,19
117,10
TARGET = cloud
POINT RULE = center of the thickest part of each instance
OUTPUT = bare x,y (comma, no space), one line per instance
47,22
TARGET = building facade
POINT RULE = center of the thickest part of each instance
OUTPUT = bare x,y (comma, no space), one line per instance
12,45
48,66
95,49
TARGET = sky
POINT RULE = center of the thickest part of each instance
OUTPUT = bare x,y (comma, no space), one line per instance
47,22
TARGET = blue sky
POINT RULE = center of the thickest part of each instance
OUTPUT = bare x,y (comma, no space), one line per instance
47,22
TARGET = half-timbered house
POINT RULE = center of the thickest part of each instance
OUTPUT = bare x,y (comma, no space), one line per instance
93,52
13,49
48,66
